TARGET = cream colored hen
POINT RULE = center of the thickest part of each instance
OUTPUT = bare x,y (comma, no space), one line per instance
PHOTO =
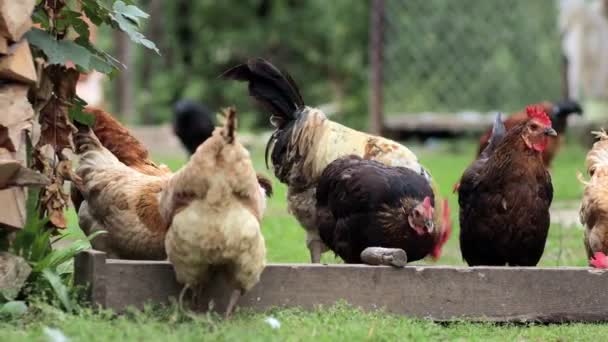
594,206
119,190
217,221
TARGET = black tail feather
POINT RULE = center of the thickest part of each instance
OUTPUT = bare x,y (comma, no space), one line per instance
560,113
274,89
566,107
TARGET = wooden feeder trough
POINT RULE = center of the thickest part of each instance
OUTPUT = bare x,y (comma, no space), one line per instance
441,293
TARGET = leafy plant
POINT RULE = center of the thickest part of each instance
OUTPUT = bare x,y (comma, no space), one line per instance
34,244
62,40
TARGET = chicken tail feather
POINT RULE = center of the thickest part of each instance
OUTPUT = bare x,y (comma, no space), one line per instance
229,129
272,88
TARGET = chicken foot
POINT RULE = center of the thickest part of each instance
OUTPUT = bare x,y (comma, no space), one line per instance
384,256
234,298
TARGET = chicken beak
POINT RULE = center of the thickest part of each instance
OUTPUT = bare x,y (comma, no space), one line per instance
429,225
550,132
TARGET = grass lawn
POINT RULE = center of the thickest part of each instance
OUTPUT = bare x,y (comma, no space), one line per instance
285,243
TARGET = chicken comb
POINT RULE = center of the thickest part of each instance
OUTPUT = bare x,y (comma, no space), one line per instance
229,122
426,204
599,260
538,113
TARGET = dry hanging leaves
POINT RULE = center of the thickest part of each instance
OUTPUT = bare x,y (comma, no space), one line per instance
56,132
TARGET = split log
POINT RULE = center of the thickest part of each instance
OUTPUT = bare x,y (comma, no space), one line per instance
18,65
3,46
16,116
12,173
15,18
384,256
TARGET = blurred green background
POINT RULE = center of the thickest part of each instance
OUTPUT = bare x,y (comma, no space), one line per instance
439,55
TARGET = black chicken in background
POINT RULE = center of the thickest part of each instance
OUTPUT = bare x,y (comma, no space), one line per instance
192,123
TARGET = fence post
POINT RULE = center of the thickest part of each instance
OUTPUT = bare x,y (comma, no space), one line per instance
376,47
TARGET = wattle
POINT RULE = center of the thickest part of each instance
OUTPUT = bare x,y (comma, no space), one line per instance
540,146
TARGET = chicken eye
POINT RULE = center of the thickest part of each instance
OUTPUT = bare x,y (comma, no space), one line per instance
534,127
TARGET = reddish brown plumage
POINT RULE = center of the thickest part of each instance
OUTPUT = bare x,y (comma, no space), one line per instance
504,199
558,113
118,140
519,118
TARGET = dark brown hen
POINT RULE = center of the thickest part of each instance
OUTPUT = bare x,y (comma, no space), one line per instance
363,203
505,197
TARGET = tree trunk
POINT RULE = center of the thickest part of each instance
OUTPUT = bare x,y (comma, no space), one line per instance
123,90
376,51
155,30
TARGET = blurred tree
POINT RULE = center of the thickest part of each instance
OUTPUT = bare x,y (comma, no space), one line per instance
321,43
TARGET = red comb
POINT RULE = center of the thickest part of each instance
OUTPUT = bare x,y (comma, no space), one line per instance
446,230
599,260
538,113
426,204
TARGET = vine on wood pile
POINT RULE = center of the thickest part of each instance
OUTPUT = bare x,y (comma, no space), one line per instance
62,44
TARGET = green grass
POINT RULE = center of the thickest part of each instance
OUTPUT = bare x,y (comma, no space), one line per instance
337,323
285,243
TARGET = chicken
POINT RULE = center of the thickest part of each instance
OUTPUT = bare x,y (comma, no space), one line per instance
192,123
119,189
505,196
305,141
559,113
216,208
363,203
594,206
119,141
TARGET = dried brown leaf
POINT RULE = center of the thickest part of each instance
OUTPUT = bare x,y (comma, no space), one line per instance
55,124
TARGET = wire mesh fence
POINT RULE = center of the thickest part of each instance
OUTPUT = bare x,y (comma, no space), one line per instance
449,56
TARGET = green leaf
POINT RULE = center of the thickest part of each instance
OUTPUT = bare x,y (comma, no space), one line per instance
130,11
33,241
127,19
13,308
59,288
59,51
59,256
77,113
40,17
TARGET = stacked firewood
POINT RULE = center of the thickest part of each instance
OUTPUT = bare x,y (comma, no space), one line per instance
17,77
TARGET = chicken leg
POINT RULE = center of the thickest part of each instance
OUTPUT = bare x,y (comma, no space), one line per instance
234,298
180,301
316,248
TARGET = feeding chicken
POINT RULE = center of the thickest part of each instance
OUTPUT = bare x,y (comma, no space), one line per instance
363,203
558,112
125,147
594,206
214,208
505,196
119,190
305,141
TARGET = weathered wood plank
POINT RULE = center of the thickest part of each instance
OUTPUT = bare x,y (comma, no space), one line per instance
18,65
15,118
91,267
435,292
